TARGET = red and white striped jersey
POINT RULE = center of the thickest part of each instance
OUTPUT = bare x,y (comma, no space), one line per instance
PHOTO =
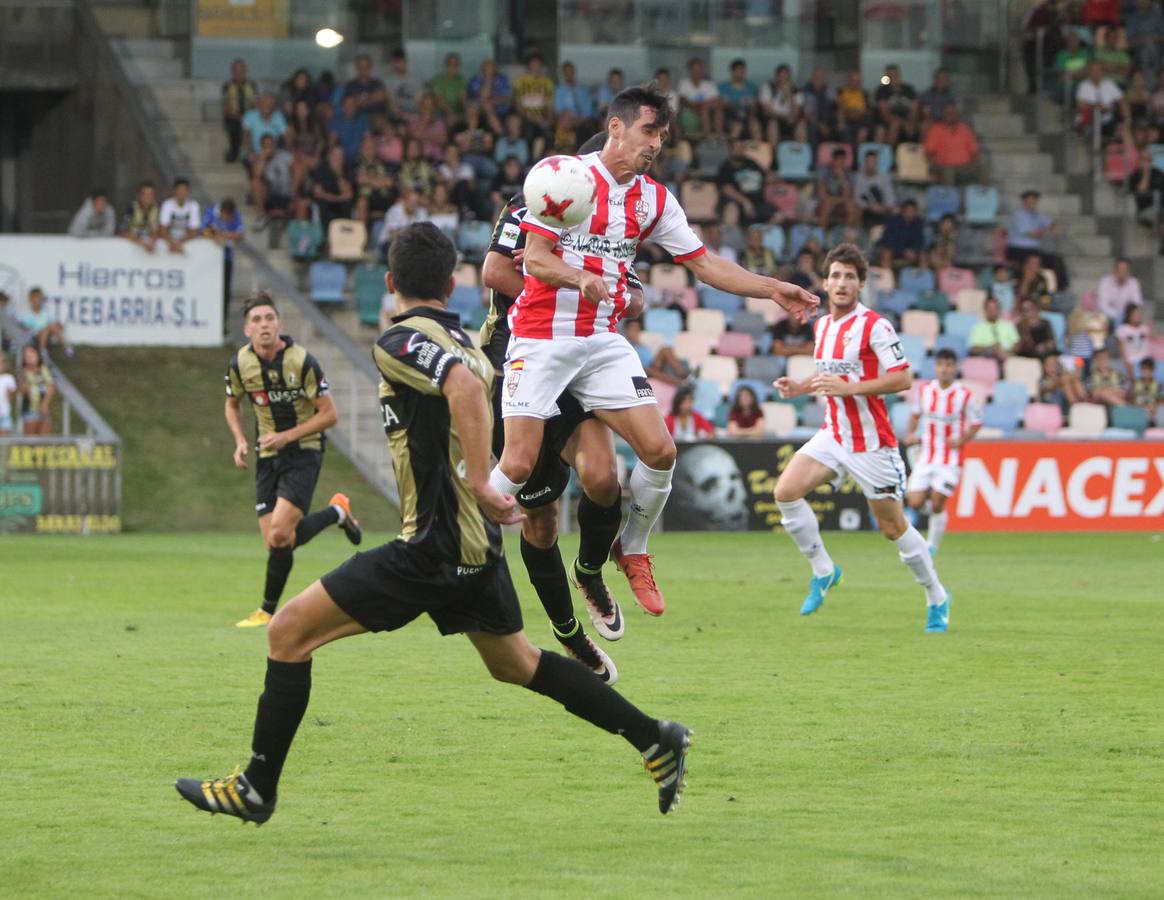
605,244
944,415
859,346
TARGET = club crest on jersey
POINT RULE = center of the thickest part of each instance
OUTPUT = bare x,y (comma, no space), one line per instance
514,376
642,211
291,379
259,398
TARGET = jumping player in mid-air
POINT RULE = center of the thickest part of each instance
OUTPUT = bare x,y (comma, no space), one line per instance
945,418
564,322
858,360
289,395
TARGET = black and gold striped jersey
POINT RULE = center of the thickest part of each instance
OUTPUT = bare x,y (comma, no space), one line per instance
281,391
438,511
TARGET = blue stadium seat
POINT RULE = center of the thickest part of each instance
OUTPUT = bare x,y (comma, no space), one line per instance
666,322
707,397
884,156
465,301
812,415
916,281
765,368
1058,323
942,199
713,298
764,342
748,322
1159,372
326,281
959,324
1133,418
1118,434
1006,418
956,342
1011,394
981,204
924,367
794,161
760,388
801,233
774,240
899,415
1157,151
473,238
369,288
914,348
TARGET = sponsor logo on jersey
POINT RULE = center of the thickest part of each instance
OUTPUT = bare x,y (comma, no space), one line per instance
510,235
840,367
513,376
285,396
599,245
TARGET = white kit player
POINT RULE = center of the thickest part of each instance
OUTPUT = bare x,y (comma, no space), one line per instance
858,360
563,324
945,418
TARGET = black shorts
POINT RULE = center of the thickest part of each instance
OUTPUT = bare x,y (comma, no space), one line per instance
550,476
291,474
386,588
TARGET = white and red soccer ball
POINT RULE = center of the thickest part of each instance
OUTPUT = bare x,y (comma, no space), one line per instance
560,191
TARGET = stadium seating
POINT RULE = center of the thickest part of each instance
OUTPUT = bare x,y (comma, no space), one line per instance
700,200
654,341
737,344
1087,419
959,324
970,301
707,397
912,165
899,414
771,312
326,282
801,368
668,277
713,298
896,302
1045,418
914,348
708,322
884,156
303,240
1131,418
981,204
1118,163
881,279
916,281
779,418
812,414
712,152
765,368
722,371
921,322
1004,418
942,200
465,301
984,369
801,233
369,288
774,240
1058,323
761,389
664,393
958,343
473,239
759,152
824,154
794,161
1009,393
466,274
786,199
749,323
952,279
1026,372
346,239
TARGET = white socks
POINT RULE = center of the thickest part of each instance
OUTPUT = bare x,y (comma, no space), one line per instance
340,511
937,527
500,482
649,490
800,522
915,553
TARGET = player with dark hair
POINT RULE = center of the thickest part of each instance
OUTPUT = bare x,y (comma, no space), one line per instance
289,397
858,360
447,562
564,322
945,417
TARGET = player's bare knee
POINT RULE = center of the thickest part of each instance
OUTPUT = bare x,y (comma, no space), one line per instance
286,640
540,526
785,492
892,528
600,482
659,454
517,464
280,535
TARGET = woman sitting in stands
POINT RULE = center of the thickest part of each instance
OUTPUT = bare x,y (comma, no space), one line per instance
684,423
745,418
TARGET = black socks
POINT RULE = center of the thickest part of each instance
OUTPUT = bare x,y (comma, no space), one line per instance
548,577
281,708
598,527
576,688
279,562
310,526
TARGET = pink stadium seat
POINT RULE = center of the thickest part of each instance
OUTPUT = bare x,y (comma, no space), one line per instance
952,279
980,368
1044,417
693,347
689,299
785,197
824,154
980,389
737,344
664,394
1158,348
770,311
1117,163
1154,434
1088,301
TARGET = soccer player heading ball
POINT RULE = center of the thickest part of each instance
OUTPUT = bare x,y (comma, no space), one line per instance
858,360
564,323
447,561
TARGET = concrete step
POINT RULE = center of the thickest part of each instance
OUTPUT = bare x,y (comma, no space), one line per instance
1022,143
1054,205
125,20
147,69
992,104
1014,164
1003,124
1091,245
142,48
187,89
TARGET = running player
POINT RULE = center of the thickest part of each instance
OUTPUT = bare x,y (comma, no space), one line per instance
949,418
575,292
288,394
858,360
448,561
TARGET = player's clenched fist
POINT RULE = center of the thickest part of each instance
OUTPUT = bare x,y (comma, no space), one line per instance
593,287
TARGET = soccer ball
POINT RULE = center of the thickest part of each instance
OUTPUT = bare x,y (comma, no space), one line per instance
560,191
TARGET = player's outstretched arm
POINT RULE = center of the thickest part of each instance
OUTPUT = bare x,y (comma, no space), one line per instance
789,388
234,423
542,264
469,407
727,276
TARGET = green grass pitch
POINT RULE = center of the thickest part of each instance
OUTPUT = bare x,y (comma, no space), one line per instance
843,754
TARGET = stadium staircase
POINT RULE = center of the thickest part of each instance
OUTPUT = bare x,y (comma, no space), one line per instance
185,113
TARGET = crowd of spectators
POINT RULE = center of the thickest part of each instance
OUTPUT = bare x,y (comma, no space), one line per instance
26,395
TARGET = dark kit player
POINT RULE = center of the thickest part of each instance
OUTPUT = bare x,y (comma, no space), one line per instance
288,394
448,560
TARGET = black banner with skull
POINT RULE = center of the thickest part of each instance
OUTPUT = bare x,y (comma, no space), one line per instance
727,486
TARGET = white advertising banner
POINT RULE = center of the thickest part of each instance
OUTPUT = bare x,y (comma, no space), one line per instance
111,292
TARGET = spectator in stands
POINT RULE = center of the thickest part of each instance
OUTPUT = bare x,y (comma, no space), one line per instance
460,178
1118,291
429,127
1145,185
1059,386
1036,337
348,128
1116,63
607,91
1032,283
834,192
449,90
180,219
664,86
1105,385
37,388
702,106
43,323
442,211
375,187
992,335
1025,236
1070,63
684,423
512,143
140,223
790,337
903,240
897,111
740,96
1098,95
368,91
1139,99
304,234
507,182
324,89
5,343
1145,389
757,257
1002,286
95,218
272,181
263,119
239,95
533,99
308,141
332,192
780,109
745,418
571,96
1043,15
854,112
404,212
820,105
389,143
224,226
933,100
713,241
741,184
944,243
404,91
416,171
668,367
952,149
565,137
873,192
1145,29
8,394
488,98
1135,339
296,89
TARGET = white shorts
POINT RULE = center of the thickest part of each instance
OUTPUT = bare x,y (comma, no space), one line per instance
934,477
879,473
602,371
